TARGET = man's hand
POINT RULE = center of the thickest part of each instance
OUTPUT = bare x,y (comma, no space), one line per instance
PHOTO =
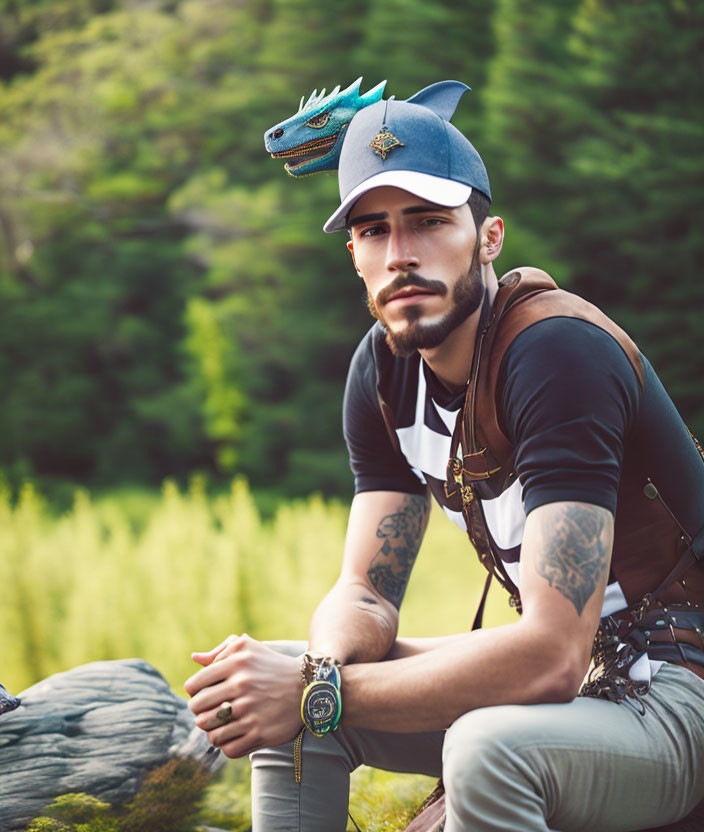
263,688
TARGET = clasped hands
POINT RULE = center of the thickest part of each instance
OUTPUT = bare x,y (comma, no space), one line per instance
263,688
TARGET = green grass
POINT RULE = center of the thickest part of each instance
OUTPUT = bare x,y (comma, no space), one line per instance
160,575
380,801
172,800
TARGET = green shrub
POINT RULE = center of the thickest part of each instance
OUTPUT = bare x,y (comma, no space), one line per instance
78,807
77,812
168,800
47,825
202,567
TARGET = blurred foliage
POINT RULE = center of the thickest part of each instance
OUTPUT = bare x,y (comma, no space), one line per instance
168,302
101,582
77,812
131,574
168,801
380,801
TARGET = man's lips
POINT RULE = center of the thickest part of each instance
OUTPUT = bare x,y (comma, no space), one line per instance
409,287
409,293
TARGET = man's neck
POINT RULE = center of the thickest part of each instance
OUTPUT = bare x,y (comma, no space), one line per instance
451,361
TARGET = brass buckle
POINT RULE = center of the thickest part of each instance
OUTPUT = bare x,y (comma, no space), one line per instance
466,492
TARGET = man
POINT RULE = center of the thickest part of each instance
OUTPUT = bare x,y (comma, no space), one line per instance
564,426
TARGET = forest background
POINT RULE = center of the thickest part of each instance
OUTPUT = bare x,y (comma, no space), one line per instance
171,310
168,301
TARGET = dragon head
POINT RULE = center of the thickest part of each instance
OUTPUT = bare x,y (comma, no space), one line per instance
311,139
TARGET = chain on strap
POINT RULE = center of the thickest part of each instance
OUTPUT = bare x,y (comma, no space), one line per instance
617,647
298,755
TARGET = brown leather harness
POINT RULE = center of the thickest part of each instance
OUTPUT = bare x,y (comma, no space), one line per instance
656,562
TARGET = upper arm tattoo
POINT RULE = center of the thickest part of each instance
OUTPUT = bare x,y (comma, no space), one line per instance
576,552
402,533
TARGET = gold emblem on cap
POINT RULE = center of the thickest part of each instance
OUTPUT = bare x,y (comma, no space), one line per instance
384,142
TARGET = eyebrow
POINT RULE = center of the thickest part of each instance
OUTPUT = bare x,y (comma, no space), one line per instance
413,209
367,218
423,209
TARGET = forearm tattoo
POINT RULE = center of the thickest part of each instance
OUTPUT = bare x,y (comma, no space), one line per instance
576,553
402,533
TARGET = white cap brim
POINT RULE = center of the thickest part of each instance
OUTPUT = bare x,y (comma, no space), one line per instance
441,191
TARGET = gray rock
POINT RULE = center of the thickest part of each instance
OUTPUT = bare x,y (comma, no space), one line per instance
98,729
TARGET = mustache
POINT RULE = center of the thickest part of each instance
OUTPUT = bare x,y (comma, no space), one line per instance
409,279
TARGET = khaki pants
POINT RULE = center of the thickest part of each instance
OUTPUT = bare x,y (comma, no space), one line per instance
586,766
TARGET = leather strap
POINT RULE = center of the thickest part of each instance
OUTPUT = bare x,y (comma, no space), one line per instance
525,297
479,615
693,555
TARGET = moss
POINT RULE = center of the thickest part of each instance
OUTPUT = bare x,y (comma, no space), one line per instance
78,807
173,798
47,825
77,812
168,800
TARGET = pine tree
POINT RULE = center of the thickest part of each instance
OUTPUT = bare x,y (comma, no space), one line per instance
532,116
638,170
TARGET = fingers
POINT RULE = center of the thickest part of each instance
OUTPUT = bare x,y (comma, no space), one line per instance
208,720
212,693
241,747
207,657
201,658
226,734
213,671
235,738
204,679
240,738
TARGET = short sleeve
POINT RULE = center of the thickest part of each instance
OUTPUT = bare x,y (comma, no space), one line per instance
375,463
570,397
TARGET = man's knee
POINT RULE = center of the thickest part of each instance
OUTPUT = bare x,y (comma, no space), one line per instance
481,745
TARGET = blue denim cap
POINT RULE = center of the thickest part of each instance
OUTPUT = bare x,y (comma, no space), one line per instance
424,155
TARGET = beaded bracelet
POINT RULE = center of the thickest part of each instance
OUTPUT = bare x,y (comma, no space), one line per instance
312,664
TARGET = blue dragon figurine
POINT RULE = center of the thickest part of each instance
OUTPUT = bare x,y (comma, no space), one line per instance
311,139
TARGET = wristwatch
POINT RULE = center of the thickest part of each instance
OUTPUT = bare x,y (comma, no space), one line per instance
321,705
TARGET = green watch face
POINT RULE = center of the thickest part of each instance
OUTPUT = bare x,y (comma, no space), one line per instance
321,707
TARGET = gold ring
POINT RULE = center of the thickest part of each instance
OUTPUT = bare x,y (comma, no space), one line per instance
225,713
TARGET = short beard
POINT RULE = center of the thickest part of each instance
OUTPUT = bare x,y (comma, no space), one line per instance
467,296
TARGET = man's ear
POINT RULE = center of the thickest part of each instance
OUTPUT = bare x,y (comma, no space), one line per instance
350,248
492,240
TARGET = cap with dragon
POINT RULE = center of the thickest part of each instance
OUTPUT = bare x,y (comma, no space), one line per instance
311,139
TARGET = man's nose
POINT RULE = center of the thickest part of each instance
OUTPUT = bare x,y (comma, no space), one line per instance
400,253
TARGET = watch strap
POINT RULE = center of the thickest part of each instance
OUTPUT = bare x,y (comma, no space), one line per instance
321,704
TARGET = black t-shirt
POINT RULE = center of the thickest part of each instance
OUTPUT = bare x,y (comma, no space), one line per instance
571,405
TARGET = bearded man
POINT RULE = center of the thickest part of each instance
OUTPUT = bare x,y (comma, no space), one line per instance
537,425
